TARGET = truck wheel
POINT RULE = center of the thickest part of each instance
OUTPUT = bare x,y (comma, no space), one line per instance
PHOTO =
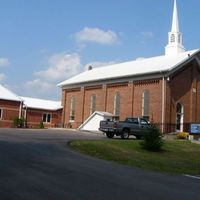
110,135
125,134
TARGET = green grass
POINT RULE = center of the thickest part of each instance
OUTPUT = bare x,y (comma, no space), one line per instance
182,157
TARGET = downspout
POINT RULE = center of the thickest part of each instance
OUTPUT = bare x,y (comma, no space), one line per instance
163,103
64,107
20,109
83,104
25,114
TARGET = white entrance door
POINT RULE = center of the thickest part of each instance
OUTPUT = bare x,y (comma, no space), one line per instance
179,117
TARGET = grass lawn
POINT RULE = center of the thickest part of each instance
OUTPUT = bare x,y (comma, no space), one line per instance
182,157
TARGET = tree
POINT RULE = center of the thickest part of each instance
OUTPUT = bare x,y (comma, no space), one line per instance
152,141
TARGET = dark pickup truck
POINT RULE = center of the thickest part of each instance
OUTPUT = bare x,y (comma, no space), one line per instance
131,126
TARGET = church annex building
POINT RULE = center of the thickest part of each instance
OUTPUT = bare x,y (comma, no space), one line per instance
164,89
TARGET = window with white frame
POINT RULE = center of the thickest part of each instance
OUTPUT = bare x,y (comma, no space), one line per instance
117,104
92,104
1,113
72,109
46,117
145,104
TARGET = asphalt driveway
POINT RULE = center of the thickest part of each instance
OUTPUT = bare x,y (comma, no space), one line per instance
38,165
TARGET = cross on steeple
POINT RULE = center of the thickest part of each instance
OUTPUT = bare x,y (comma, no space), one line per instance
175,37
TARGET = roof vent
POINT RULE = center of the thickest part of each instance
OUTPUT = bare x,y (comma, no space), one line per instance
89,67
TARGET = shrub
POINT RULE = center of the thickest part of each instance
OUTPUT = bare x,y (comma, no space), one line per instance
19,122
41,125
182,135
152,140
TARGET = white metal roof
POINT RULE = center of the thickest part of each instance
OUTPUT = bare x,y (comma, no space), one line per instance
41,104
6,94
132,68
100,113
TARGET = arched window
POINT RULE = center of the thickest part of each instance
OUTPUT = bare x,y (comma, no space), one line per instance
145,104
92,104
72,109
117,104
179,117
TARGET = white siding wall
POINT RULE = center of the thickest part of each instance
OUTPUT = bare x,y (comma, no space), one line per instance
93,123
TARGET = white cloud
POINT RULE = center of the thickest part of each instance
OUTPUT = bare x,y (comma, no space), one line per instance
96,35
98,64
2,77
4,62
61,66
39,83
41,89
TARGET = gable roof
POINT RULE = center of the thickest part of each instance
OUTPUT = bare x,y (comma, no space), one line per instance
41,104
6,94
132,68
100,113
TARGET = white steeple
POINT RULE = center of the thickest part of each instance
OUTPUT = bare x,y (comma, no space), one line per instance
175,38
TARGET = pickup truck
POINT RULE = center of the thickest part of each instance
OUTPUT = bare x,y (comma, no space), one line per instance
131,126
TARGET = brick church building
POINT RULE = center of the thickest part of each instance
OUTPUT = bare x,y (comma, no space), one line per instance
32,110
163,89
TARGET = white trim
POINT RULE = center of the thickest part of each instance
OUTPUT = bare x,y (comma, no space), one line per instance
163,103
20,109
25,113
46,122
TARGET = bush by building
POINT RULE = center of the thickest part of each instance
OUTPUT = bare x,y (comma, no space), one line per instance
152,141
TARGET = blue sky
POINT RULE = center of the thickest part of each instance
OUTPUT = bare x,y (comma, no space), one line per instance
43,42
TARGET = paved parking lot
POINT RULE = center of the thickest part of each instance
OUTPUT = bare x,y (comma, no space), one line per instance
38,165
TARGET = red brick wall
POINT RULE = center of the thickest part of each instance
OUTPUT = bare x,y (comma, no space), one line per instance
198,96
180,93
130,101
155,89
78,94
98,91
184,88
10,112
34,118
125,100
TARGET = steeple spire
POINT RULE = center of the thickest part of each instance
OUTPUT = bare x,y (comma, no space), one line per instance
175,41
175,24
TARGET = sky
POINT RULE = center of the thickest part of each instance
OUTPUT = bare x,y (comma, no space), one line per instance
44,42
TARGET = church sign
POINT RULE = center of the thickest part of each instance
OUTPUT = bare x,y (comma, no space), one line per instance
195,128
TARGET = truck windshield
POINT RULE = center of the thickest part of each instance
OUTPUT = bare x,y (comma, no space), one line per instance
132,120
